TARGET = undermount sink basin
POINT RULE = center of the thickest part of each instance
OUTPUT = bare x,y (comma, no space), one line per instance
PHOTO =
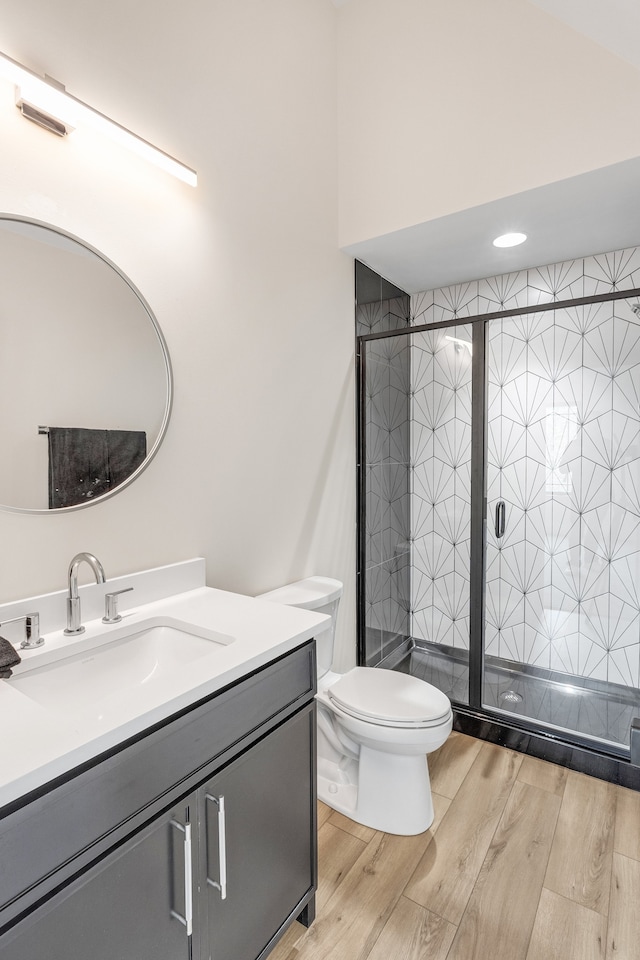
146,658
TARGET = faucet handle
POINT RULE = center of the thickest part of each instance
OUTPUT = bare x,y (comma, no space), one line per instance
32,628
111,614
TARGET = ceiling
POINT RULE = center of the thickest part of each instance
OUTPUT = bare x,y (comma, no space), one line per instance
595,212
592,213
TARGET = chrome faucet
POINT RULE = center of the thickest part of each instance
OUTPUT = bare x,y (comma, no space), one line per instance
74,624
32,630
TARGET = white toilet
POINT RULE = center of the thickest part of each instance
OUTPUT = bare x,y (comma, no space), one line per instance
375,728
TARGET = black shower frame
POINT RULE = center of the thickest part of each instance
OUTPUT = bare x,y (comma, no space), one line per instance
523,734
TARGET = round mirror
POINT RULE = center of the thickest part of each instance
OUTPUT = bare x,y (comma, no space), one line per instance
85,374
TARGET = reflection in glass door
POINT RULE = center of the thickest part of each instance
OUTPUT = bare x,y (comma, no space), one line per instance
562,625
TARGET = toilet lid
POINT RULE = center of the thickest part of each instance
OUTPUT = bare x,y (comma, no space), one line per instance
389,698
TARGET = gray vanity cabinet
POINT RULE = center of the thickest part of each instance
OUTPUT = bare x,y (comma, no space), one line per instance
194,841
125,908
257,844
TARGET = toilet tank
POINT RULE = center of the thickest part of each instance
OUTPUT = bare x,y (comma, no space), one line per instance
320,594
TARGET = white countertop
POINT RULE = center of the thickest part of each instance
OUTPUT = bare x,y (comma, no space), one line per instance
39,744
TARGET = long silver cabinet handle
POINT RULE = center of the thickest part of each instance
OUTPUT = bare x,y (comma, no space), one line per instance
187,920
500,520
220,885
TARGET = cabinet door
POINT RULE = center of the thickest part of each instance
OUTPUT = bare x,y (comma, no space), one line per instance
258,843
130,906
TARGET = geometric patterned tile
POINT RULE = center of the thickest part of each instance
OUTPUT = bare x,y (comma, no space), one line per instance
434,405
611,440
590,486
452,365
612,271
587,392
624,666
505,292
506,355
422,308
625,579
525,567
626,393
524,484
593,661
526,398
625,488
563,583
451,520
624,624
594,621
422,591
433,481
565,654
611,532
555,353
558,281
612,347
434,556
507,441
450,303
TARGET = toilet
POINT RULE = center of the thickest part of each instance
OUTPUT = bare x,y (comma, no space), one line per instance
375,728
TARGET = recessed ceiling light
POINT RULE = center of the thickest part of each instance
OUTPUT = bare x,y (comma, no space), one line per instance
509,239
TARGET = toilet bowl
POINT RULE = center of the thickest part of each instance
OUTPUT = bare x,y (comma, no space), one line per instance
375,728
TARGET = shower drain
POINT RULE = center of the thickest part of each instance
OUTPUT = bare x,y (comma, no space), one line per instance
511,697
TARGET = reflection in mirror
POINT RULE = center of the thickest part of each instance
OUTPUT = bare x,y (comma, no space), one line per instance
84,372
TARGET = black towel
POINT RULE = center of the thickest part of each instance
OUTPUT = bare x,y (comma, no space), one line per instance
9,657
84,464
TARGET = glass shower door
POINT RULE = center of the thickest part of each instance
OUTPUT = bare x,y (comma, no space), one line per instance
562,565
441,367
384,494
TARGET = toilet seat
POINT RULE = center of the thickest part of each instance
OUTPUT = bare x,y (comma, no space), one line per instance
390,699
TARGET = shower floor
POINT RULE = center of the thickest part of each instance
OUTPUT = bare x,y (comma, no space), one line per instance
558,700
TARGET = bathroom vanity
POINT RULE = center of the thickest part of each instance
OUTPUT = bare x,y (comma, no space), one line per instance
190,834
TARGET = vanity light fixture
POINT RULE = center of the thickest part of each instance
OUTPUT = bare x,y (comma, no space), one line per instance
509,239
46,102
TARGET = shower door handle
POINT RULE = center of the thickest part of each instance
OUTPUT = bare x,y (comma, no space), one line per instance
501,517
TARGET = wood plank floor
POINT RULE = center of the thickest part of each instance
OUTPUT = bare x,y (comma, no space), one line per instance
525,861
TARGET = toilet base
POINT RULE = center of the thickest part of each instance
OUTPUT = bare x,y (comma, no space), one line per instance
387,792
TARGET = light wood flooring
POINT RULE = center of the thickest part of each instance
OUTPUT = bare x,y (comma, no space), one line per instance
525,861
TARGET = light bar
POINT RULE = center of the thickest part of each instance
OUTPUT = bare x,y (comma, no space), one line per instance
52,100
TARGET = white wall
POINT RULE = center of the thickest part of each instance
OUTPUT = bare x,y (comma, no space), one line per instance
257,471
448,104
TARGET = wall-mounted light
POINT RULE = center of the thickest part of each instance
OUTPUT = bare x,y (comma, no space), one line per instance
509,239
47,103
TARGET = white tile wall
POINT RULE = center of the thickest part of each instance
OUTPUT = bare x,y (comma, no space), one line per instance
563,584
